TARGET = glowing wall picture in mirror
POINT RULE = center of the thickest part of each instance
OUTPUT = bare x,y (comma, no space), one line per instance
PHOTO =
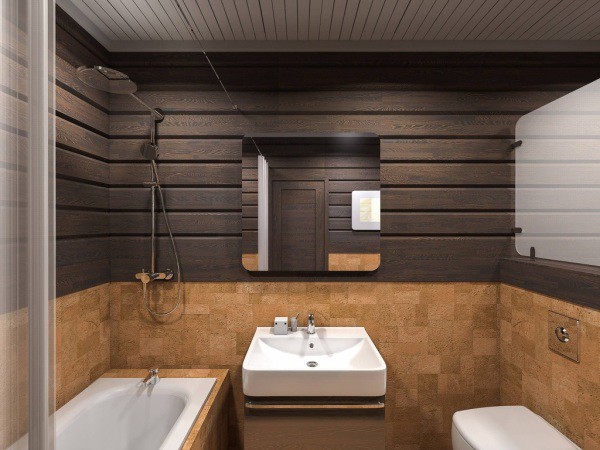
366,210
298,202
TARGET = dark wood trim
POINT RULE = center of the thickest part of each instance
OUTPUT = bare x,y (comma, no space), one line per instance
574,283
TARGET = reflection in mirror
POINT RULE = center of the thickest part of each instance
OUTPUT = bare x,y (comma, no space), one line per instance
311,202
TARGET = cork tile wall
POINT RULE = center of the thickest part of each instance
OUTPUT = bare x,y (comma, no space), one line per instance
82,340
565,393
439,341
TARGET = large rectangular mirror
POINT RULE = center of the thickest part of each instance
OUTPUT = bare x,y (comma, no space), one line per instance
311,202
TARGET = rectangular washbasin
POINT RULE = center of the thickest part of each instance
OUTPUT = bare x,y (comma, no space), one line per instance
333,362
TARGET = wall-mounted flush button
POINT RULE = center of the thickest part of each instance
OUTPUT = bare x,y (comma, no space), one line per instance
563,335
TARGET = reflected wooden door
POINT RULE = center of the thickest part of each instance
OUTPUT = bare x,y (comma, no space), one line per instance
298,225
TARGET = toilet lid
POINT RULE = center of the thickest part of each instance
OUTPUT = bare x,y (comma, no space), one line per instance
509,428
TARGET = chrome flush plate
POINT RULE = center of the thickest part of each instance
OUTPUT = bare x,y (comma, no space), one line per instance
563,335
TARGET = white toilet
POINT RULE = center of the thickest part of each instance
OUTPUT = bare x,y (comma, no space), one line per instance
505,428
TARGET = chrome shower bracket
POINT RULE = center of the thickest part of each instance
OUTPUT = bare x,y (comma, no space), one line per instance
158,114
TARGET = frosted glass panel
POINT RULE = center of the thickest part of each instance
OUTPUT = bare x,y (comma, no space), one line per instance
557,198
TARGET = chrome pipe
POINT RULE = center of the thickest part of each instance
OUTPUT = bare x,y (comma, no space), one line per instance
157,116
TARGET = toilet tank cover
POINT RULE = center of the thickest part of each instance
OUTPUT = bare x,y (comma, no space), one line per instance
509,428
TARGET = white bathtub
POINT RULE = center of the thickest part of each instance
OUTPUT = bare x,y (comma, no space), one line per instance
120,414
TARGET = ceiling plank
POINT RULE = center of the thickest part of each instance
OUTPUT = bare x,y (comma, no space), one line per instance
172,11
417,21
578,23
337,18
349,20
291,19
362,14
231,30
107,19
522,18
563,19
483,23
495,26
327,12
122,18
135,19
314,20
401,18
233,18
152,19
453,18
303,19
280,19
197,20
473,17
373,19
266,8
256,15
431,18
390,17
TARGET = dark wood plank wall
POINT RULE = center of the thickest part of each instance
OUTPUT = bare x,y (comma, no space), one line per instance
343,168
446,121
82,164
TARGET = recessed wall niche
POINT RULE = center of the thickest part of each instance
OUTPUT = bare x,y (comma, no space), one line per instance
297,196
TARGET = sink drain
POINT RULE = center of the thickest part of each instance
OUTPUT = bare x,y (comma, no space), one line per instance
312,364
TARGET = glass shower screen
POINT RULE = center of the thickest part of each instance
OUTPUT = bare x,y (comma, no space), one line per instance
557,195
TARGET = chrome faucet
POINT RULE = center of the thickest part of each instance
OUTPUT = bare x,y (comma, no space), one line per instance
310,327
152,377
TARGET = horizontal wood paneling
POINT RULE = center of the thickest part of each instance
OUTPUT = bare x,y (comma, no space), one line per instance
492,125
177,174
446,150
448,198
385,101
436,223
447,174
71,223
179,149
574,282
79,109
76,138
82,170
73,194
186,223
365,78
435,60
202,258
194,198
446,122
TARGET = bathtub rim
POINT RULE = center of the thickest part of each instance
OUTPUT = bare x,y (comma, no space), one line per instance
186,388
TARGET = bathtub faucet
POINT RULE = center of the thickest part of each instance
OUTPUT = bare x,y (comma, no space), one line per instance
152,377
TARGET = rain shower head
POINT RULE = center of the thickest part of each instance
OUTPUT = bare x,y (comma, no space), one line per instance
107,80
114,82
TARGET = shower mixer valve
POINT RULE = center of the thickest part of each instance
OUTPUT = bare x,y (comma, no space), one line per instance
147,277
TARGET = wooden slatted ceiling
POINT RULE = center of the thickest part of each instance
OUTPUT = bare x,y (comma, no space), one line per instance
119,23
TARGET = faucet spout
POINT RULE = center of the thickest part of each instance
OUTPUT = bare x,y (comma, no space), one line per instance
310,327
152,377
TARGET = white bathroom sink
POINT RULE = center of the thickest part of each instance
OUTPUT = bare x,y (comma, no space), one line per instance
335,361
